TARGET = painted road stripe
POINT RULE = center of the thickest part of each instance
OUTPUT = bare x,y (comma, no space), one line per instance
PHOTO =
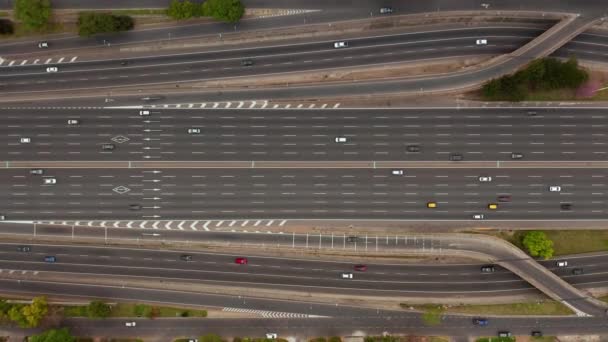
337,105
269,223
257,223
48,61
73,59
205,226
193,225
282,223
215,104
36,61
252,104
11,63
180,225
155,225
23,62
241,103
61,59
244,223
168,225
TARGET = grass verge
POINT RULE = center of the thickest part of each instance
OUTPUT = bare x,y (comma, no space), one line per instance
566,241
4,14
90,339
137,310
547,308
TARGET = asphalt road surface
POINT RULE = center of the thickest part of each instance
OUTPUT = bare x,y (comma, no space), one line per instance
392,280
302,193
476,134
377,50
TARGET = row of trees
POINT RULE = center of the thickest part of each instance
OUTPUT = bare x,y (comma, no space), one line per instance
90,23
34,15
25,315
540,75
225,10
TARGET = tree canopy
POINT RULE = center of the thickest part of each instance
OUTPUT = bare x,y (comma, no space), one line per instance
538,244
90,23
33,14
225,10
53,335
98,309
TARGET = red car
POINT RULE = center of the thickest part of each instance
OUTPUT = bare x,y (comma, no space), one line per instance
504,198
361,268
241,261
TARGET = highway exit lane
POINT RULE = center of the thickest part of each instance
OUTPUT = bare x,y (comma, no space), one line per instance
490,134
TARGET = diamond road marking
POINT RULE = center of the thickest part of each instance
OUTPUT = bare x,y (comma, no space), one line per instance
121,189
120,139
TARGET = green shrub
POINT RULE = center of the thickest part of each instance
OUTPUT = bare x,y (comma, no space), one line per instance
90,23
538,244
98,309
540,75
53,335
185,9
225,10
33,14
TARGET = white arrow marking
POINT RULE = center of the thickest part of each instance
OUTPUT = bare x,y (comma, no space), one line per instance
180,225
241,103
115,224
252,104
215,104
168,225
228,104
143,224
205,225
155,225
193,225
129,225
265,104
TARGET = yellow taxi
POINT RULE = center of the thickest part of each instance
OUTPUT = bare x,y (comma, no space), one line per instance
431,204
492,206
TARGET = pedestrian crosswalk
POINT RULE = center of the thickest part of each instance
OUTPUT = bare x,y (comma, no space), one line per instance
36,61
271,314
251,225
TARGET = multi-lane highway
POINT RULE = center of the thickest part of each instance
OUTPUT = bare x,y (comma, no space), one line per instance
290,274
115,194
548,134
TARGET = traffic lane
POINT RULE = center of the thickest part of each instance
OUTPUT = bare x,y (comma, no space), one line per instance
203,72
257,265
240,276
452,37
270,193
542,134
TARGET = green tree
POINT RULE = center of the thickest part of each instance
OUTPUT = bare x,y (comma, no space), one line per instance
98,309
318,339
225,10
335,339
432,316
90,23
33,14
36,311
53,335
538,244
211,338
185,9
16,315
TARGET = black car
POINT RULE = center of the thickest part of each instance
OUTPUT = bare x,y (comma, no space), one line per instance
186,257
488,268
577,271
24,249
566,206
108,147
456,157
247,62
504,334
480,321
413,148
386,10
134,207
536,334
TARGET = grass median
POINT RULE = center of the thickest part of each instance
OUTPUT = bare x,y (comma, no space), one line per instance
542,308
565,242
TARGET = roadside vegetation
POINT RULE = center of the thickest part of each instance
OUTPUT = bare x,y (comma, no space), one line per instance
543,308
542,75
34,15
495,339
566,241
98,309
24,315
90,23
225,10
537,244
53,335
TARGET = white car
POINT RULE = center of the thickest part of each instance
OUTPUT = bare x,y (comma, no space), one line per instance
340,139
43,45
485,178
49,181
561,263
272,336
481,42
144,112
346,275
339,45
52,69
130,324
555,188
25,140
194,131
477,216
397,172
73,122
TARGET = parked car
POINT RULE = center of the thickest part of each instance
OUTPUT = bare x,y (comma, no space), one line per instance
351,239
536,333
504,334
2,217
